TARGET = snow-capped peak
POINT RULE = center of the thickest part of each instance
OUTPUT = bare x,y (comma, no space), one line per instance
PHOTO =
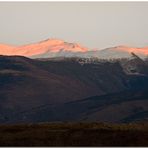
49,45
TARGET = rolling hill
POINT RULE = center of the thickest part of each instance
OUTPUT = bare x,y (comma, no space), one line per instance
72,89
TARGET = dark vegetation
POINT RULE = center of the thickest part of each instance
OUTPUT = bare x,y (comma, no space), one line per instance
74,134
71,96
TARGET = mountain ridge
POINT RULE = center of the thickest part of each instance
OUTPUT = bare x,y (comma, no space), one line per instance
64,89
52,45
58,48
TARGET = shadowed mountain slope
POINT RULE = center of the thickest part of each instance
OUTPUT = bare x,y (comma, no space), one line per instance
43,89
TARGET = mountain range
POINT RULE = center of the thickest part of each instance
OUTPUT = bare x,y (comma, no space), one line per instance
59,48
73,89
54,80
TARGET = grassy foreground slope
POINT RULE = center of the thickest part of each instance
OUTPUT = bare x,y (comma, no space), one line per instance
74,134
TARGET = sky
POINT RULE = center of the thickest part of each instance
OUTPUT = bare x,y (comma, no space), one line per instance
92,24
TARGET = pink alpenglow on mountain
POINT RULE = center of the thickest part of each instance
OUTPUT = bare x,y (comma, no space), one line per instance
56,48
122,52
50,45
143,50
7,50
